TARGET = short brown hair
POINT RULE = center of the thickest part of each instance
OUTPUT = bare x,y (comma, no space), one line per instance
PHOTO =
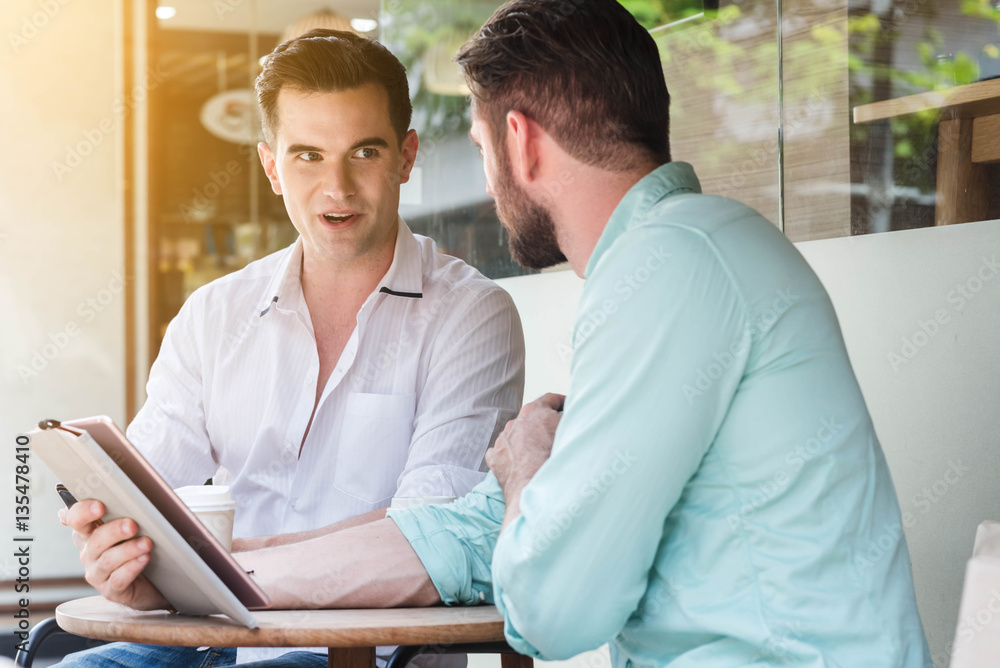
322,61
585,70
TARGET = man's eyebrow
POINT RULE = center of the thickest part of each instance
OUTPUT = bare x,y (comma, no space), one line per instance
303,148
370,141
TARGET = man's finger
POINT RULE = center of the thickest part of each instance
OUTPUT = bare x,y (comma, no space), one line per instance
110,561
552,400
107,536
123,577
82,515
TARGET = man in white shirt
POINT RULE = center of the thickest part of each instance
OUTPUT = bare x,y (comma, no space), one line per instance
323,380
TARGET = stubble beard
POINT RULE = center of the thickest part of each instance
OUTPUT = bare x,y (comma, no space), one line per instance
531,231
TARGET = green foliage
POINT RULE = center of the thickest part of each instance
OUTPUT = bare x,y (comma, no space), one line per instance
652,14
983,9
409,29
939,69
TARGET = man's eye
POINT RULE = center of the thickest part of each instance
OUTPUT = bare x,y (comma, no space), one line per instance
366,153
310,156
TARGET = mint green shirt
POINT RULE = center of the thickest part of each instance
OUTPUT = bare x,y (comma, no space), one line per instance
716,494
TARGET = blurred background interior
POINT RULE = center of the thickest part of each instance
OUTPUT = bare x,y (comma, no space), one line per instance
130,175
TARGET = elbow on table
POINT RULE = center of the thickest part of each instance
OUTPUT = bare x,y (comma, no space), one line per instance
558,630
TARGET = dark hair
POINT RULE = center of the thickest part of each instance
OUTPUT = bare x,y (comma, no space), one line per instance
322,61
585,70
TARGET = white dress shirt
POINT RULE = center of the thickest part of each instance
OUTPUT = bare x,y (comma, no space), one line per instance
430,375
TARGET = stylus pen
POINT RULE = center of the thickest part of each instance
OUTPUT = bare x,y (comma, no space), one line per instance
69,499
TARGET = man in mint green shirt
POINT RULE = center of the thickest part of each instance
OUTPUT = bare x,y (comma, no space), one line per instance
711,492
715,485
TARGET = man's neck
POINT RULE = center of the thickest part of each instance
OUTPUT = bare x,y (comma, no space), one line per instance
345,284
582,213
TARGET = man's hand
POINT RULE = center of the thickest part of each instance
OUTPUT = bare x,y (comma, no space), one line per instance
112,558
522,448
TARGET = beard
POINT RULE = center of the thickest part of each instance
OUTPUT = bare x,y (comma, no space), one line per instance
532,234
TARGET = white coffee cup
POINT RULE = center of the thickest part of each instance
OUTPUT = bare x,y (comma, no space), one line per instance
213,505
410,501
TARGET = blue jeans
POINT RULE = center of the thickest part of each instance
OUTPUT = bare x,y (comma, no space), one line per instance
134,655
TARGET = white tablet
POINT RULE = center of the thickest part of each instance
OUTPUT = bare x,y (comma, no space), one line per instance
188,565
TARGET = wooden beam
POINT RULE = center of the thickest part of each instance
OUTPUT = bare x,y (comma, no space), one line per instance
128,206
962,186
516,661
975,99
986,139
351,657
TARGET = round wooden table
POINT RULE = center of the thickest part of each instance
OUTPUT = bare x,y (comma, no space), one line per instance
351,635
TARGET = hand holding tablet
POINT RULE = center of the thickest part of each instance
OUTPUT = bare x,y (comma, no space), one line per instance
192,570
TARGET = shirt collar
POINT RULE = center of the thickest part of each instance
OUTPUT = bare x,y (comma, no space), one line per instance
284,289
403,279
672,178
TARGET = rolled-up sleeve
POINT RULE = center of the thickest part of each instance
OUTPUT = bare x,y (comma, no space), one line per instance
455,541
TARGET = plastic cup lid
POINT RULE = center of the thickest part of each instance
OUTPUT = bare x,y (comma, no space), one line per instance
206,497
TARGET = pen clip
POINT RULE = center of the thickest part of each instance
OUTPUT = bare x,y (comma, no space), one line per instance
55,424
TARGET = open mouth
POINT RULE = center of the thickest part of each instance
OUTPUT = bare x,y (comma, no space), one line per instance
333,218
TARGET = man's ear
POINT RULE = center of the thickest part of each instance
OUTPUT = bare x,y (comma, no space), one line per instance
267,160
409,155
523,135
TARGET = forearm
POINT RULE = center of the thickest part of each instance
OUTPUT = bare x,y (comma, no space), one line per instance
368,566
247,544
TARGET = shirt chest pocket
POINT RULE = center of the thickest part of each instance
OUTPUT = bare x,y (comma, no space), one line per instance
374,444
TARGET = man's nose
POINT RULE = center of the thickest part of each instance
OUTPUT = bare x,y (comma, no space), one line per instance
338,182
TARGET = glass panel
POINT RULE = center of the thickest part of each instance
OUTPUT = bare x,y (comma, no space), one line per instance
721,67
446,198
921,82
815,112
212,210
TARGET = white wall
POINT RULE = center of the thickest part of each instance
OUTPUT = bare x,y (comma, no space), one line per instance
61,241
547,304
934,406
935,399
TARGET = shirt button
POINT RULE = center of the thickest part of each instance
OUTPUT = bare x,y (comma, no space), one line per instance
482,596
